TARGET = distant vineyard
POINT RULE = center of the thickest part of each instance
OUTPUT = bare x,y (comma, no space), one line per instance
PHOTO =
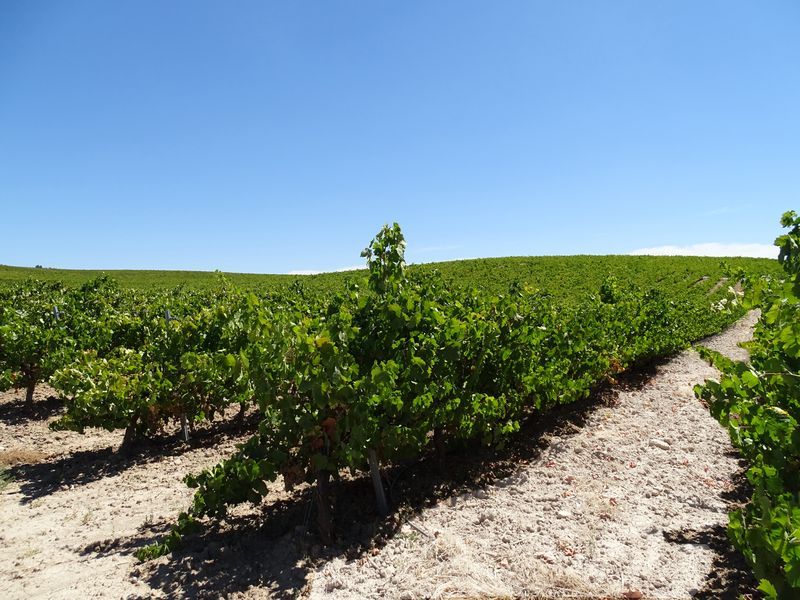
567,277
357,371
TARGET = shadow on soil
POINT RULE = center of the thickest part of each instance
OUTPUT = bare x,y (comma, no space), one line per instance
274,547
19,412
730,576
85,466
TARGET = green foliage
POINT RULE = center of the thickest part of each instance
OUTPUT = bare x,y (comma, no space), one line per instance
570,278
5,477
159,364
759,403
384,361
403,356
33,340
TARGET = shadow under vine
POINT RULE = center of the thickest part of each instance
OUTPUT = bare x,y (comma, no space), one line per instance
19,412
86,466
276,548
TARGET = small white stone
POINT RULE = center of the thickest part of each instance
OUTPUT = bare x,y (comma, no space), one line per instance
659,444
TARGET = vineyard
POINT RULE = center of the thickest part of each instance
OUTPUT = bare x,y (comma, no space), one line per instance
340,377
570,278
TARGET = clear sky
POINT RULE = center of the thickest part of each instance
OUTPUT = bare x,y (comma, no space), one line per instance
279,136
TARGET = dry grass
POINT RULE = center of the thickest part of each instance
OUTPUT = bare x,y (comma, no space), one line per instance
12,458
20,456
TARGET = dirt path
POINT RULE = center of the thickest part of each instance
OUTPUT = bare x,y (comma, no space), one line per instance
73,500
599,511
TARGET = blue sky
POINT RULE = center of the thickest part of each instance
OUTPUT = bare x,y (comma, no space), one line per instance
279,136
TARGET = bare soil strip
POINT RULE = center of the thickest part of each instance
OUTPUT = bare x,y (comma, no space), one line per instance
635,500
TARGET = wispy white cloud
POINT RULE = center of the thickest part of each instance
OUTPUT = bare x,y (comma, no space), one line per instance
712,249
313,272
304,272
457,258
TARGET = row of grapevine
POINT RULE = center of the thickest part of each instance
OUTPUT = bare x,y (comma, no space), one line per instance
43,326
369,375
759,403
379,373
123,358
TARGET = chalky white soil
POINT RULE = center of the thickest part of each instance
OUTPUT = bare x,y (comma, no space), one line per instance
66,519
587,516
